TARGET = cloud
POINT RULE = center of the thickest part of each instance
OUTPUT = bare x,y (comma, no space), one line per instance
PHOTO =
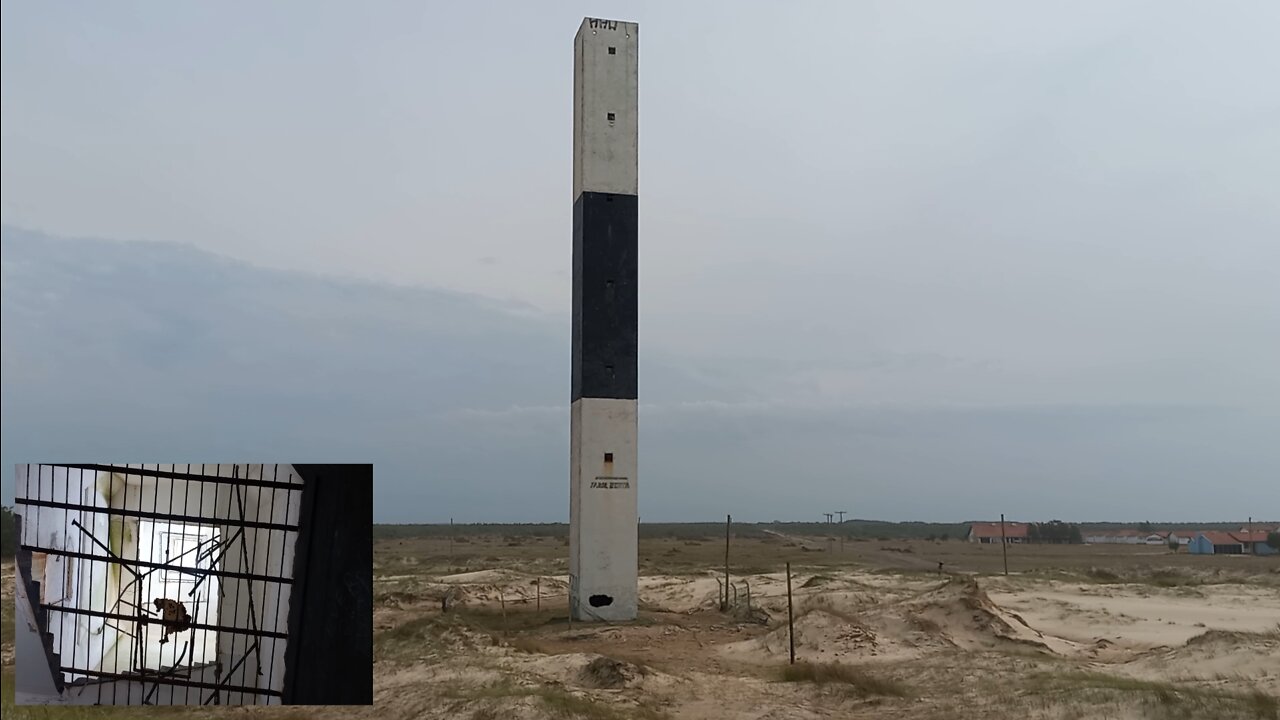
133,351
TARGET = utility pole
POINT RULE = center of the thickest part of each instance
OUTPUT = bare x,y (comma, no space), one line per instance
1004,545
841,514
728,520
1252,546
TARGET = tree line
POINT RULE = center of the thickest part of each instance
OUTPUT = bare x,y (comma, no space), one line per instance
8,533
1054,532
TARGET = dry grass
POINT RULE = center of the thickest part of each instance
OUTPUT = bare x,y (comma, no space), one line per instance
857,679
492,700
1180,700
531,645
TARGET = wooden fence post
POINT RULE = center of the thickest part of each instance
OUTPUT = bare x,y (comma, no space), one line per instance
791,628
728,520
1004,546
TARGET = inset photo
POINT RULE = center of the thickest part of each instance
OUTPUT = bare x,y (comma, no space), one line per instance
193,584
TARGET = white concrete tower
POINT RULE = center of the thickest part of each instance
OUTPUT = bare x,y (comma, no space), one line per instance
602,425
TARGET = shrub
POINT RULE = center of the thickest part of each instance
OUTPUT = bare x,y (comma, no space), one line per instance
856,678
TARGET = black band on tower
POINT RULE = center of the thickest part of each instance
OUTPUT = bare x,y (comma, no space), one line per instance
605,316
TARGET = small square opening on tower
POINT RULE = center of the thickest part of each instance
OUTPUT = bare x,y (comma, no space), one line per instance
613,50
608,457
611,117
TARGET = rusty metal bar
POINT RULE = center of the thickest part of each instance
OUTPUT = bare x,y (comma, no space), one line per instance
145,619
159,566
138,677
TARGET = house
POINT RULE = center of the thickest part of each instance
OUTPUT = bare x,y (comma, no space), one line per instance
991,532
1240,542
1215,542
1255,543
1162,537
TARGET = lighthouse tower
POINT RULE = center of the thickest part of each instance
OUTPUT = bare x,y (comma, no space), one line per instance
602,426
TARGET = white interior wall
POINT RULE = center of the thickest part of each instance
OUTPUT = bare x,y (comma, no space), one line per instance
198,595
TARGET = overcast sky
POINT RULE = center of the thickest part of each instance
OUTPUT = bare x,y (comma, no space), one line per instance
850,207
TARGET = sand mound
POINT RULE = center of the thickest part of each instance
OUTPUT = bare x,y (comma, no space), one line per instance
481,577
1214,657
961,613
494,587
587,671
681,595
607,673
1231,638
957,614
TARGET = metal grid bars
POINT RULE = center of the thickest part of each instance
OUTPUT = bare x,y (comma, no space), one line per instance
161,584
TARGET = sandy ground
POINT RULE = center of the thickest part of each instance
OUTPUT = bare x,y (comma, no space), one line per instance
1183,641
1140,618
1152,636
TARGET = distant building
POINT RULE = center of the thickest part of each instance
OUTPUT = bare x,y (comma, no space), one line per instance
990,532
1218,542
1255,543
1162,537
1136,537
1116,537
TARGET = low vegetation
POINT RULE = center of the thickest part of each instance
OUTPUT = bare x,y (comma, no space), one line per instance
1175,700
491,700
854,678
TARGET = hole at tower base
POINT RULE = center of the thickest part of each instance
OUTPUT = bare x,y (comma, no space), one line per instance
613,51
611,117
600,600
608,457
